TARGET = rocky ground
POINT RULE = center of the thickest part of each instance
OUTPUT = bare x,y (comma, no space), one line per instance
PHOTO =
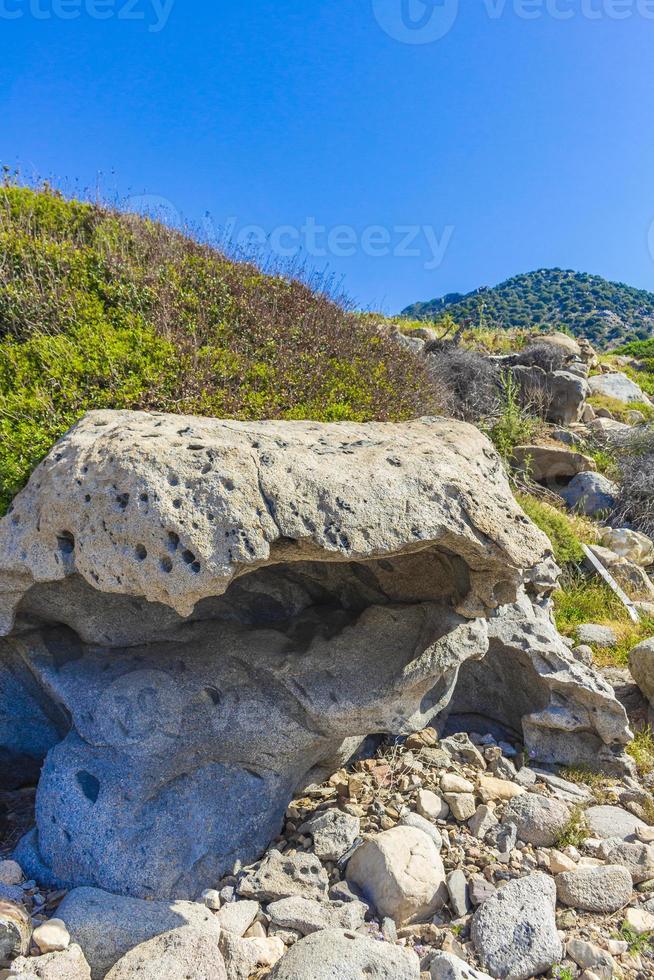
426,858
433,859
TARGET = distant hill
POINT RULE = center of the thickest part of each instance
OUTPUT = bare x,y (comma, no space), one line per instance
607,313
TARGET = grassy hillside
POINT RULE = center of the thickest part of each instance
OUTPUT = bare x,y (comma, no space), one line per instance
100,309
607,313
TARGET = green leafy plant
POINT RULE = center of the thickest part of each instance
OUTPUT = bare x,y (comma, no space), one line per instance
565,531
638,942
101,309
641,749
515,426
575,832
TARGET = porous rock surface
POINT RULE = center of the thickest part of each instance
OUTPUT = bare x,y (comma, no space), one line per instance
348,956
198,611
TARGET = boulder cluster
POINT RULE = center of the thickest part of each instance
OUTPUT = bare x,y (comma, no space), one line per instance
297,709
430,859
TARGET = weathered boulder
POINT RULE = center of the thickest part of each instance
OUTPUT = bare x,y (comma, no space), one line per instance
307,916
607,822
184,952
610,431
539,820
641,665
590,494
514,931
633,545
530,683
617,386
348,956
552,465
401,873
282,875
601,889
109,926
561,395
213,610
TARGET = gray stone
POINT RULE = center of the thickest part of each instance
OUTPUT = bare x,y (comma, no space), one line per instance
514,931
427,827
601,889
109,926
445,966
281,875
539,820
457,886
612,821
333,833
591,494
598,636
182,953
633,579
244,956
574,719
617,386
482,821
561,393
591,957
636,857
335,953
70,964
480,890
563,789
295,614
237,917
503,837
307,916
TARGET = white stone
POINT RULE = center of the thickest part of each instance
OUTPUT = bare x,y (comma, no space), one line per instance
639,920
237,917
451,782
52,936
491,788
401,872
211,899
431,806
462,805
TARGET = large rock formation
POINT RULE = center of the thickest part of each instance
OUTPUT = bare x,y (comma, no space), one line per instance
201,615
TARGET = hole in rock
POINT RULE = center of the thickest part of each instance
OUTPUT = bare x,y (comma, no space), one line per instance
66,542
89,785
141,552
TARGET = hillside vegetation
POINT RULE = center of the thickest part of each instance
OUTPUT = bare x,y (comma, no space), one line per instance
606,313
100,309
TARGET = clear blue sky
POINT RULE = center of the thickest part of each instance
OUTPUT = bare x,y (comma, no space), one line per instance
518,139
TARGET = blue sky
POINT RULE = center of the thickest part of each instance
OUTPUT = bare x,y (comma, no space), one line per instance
412,147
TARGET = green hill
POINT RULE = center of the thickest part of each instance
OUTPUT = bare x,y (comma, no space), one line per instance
100,309
607,313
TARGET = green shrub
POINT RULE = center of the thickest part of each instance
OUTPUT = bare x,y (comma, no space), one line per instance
100,309
565,531
515,426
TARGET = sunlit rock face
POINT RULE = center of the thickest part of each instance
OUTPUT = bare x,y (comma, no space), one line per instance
200,616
